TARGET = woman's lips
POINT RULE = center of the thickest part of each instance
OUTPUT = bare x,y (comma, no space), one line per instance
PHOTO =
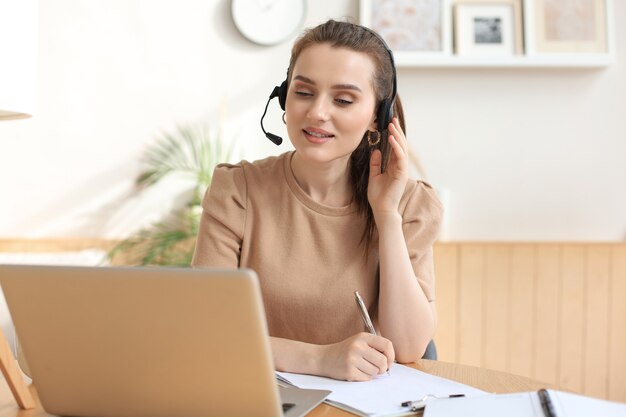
315,135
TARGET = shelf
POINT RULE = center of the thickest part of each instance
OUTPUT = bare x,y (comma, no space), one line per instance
532,48
539,61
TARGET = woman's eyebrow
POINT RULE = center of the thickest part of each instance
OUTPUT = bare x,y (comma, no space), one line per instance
335,87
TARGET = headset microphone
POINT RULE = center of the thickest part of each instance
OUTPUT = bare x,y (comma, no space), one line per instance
274,138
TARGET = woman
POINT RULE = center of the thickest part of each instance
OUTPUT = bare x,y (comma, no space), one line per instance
325,220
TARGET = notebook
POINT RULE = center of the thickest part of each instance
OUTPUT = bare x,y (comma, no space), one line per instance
131,342
525,404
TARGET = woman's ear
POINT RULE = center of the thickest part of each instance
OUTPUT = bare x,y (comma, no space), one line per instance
373,126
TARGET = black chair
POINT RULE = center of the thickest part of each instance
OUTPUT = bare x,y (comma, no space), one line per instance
431,351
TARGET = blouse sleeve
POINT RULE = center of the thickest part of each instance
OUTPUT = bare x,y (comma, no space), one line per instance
223,219
421,221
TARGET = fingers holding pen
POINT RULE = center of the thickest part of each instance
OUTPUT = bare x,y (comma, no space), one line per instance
358,358
385,347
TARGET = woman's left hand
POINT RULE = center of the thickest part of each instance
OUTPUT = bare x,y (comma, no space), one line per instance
385,189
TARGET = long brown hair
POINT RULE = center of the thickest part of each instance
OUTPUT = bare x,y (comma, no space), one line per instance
358,39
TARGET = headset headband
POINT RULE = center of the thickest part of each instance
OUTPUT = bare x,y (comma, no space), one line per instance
385,108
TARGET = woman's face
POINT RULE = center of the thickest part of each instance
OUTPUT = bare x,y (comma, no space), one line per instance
330,102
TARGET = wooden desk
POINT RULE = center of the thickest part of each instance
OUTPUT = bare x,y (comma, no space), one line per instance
487,380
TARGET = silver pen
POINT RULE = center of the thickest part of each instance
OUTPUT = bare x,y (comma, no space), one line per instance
365,315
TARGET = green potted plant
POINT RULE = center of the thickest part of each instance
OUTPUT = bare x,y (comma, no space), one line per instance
189,151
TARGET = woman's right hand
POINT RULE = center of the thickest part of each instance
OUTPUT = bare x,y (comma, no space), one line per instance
357,358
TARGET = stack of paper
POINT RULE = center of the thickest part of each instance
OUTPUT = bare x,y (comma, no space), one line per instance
383,395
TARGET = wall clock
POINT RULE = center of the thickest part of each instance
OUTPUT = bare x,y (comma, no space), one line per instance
268,22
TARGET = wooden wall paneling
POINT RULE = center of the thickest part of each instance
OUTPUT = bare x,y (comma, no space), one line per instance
446,267
547,295
617,332
571,349
522,312
597,321
496,303
470,332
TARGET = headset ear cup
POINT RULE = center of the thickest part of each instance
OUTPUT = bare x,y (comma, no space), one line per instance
282,94
384,115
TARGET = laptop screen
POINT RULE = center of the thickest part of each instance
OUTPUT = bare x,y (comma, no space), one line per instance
129,342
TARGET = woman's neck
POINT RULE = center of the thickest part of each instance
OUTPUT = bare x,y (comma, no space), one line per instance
326,183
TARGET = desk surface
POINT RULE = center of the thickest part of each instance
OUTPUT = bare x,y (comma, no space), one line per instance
487,380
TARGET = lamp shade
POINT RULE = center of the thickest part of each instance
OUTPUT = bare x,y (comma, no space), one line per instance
18,58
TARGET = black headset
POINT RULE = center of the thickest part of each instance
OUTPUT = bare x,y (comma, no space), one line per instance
385,108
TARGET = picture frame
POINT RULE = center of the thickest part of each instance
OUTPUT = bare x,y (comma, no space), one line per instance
568,26
488,28
415,30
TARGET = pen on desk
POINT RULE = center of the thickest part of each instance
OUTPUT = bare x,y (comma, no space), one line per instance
420,404
365,315
546,403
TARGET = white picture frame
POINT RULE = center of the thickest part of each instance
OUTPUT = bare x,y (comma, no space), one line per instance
594,18
488,28
415,30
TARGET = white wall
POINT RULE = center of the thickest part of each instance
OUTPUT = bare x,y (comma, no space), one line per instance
522,154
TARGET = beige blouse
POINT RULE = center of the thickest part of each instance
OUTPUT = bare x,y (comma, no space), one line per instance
308,256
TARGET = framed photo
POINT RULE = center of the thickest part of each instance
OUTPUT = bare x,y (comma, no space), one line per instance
413,29
488,28
570,26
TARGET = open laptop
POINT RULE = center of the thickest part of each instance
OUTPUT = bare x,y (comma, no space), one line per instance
137,342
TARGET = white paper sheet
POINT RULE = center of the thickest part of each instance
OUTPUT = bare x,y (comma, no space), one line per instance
524,404
572,405
383,395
